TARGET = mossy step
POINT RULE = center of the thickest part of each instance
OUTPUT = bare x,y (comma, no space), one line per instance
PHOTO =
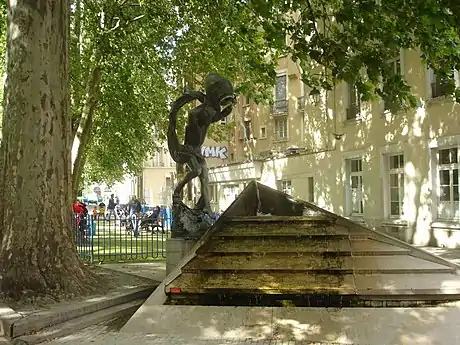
421,286
300,245
279,219
287,229
271,283
308,263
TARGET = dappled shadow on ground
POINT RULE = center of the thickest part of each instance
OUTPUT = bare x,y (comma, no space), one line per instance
358,326
446,253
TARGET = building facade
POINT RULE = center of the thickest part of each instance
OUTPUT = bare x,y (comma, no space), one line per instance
155,184
395,172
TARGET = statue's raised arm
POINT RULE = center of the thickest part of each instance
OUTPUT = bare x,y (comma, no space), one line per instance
175,148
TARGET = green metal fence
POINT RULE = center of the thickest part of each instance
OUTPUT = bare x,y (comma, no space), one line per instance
101,240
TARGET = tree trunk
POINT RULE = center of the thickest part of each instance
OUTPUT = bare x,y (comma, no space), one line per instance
37,251
83,135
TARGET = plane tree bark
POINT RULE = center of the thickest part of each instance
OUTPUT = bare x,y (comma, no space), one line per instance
37,251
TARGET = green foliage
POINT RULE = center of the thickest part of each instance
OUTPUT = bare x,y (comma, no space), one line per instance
145,48
353,41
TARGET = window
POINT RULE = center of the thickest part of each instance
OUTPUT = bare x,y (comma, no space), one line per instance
301,103
280,88
396,184
232,157
301,99
281,129
212,192
285,186
168,184
155,133
448,177
436,88
263,132
395,65
281,104
156,159
245,100
356,204
353,109
223,122
247,129
310,189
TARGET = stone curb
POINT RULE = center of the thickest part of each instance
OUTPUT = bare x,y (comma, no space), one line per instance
74,325
15,326
7,317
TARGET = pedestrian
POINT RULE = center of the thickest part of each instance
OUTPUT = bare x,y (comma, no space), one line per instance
135,209
111,208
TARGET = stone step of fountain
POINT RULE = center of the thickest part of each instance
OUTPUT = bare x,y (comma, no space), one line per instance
298,283
313,264
279,219
301,245
284,230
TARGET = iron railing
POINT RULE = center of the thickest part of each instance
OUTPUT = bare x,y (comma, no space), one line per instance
280,106
115,239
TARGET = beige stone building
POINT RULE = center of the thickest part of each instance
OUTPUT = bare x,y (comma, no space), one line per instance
396,172
155,184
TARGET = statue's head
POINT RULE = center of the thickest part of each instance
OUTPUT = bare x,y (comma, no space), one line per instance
219,90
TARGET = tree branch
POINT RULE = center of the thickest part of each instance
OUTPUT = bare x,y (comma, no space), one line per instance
83,135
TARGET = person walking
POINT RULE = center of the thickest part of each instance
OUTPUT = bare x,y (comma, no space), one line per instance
111,208
135,209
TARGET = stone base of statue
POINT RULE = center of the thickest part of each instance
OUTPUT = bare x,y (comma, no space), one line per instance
176,249
188,222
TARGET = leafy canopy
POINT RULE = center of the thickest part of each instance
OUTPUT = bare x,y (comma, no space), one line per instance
351,40
145,48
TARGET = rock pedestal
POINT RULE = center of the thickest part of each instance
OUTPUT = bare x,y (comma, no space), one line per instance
189,223
176,248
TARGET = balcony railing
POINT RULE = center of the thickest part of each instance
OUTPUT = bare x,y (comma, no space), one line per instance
280,106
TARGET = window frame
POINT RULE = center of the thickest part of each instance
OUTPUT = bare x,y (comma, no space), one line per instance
400,172
349,186
450,167
352,107
263,132
276,128
311,189
285,186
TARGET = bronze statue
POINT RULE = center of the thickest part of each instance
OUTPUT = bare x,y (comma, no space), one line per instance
215,105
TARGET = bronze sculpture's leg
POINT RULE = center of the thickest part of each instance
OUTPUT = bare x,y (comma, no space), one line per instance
195,171
204,203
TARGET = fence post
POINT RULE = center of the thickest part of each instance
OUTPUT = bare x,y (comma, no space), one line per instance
92,232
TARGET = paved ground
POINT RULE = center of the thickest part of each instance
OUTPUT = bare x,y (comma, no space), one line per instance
123,339
155,270
446,253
